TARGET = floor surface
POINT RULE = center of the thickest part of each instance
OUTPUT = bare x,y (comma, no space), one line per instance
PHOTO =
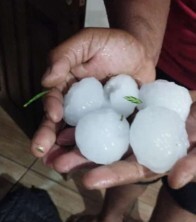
18,166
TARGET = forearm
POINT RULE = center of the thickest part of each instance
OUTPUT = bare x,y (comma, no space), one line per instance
144,19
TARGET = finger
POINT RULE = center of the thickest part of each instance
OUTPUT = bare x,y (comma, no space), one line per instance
63,142
69,161
66,137
52,154
146,74
191,124
121,172
193,110
184,171
73,54
57,73
44,138
102,65
53,105
66,56
193,95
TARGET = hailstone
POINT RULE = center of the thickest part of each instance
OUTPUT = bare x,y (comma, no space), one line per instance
158,138
102,136
166,94
116,89
82,98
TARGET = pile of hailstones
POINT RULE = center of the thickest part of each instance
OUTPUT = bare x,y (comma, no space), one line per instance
157,135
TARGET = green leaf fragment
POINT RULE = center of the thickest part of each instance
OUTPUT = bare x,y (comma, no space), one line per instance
133,99
36,97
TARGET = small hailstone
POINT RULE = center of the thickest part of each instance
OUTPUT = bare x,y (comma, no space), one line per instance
166,94
83,97
102,136
158,138
116,89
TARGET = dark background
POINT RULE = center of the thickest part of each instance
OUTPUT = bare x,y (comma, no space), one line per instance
29,29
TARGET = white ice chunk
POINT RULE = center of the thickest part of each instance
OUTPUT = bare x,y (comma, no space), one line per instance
166,94
158,138
116,89
83,97
102,136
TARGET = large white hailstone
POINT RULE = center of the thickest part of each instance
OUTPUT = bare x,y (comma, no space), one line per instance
166,94
102,136
116,89
83,97
158,138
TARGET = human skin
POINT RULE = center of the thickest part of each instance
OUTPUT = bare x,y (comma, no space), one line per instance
133,61
98,52
145,20
134,17
103,53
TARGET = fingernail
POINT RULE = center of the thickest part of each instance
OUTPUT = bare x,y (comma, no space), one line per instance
40,149
184,180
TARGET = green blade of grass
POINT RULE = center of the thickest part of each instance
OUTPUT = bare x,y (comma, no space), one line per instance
133,99
36,97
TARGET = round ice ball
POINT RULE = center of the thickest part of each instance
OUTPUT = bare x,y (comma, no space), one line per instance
102,136
116,89
158,138
166,94
83,97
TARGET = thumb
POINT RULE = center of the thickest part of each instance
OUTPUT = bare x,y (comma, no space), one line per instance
146,73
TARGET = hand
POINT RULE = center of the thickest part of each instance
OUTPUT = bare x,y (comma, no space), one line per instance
129,170
184,170
93,52
100,53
